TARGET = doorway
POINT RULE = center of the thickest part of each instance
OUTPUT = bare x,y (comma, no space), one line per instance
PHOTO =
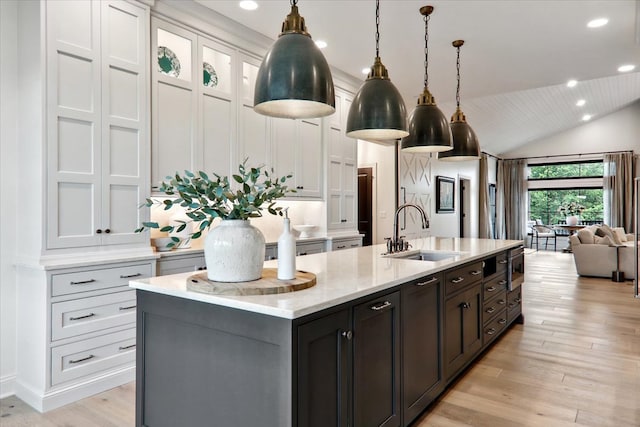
365,204
465,207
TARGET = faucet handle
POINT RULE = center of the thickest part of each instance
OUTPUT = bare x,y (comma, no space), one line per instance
389,245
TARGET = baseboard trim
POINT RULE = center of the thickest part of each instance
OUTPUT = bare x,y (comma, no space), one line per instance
63,396
7,386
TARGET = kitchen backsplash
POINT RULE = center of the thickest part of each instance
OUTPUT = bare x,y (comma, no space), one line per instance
300,212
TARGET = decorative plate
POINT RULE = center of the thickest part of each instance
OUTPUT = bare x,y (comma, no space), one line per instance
168,62
210,77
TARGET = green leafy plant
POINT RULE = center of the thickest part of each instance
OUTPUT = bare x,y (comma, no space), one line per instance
571,208
205,199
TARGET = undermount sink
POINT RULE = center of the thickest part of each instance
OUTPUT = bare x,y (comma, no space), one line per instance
424,255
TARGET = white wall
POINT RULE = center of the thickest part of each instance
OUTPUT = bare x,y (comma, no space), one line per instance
384,202
8,196
617,131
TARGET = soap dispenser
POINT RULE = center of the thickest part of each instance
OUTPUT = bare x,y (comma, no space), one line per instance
286,251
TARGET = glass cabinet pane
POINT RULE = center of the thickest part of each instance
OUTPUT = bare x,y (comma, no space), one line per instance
174,55
249,75
216,70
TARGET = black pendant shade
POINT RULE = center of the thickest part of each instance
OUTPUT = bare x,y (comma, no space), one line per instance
428,128
465,142
377,111
294,79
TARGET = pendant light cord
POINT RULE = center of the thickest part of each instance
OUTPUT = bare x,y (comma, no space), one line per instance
426,50
377,28
458,87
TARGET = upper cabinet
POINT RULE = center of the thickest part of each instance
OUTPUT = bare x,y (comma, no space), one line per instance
97,137
193,107
342,168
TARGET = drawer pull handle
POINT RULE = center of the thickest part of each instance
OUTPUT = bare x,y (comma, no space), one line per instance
502,321
491,331
503,261
465,305
341,247
84,359
355,245
491,289
129,276
502,302
491,310
428,282
518,300
82,282
86,316
129,307
347,334
502,282
458,280
475,272
301,253
381,306
126,347
204,267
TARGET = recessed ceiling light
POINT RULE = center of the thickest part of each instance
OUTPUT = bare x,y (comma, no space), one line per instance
626,68
586,117
572,83
248,5
599,22
321,44
366,70
581,102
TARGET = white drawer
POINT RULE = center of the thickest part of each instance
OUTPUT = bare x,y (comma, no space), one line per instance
308,248
84,315
102,278
339,244
180,265
92,356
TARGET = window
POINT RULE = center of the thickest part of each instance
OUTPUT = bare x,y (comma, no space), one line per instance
552,185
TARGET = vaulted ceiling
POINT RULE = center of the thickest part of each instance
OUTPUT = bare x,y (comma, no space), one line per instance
518,56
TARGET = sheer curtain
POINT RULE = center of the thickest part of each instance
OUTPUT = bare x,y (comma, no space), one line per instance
618,190
486,231
511,203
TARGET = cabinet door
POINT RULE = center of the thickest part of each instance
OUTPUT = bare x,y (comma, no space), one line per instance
376,362
284,148
323,371
421,344
309,159
174,106
463,328
125,144
254,129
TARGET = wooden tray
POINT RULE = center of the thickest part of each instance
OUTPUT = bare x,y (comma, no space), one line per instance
267,284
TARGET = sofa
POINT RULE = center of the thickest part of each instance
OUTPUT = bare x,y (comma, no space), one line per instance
597,249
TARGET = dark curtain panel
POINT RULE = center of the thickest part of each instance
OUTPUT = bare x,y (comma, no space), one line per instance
618,190
486,230
512,199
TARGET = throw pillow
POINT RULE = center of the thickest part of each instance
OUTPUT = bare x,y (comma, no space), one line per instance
585,236
603,241
620,234
609,232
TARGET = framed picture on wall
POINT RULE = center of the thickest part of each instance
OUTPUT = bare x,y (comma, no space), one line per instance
445,194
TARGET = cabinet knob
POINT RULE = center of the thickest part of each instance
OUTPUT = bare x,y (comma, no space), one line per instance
98,231
465,305
107,231
347,334
299,187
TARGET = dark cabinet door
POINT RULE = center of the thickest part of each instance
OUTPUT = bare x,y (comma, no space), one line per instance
463,328
421,344
376,362
324,372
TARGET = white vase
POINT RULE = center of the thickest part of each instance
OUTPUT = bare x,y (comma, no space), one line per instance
234,252
572,220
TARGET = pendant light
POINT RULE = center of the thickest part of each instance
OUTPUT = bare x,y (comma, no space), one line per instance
465,142
377,111
294,80
428,127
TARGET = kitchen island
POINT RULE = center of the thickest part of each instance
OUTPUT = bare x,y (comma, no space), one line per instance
372,343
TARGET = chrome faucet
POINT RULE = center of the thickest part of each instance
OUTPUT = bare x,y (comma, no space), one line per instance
396,244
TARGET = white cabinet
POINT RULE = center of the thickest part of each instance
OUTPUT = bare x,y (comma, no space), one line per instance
342,168
77,330
181,263
297,150
97,119
193,103
338,244
309,247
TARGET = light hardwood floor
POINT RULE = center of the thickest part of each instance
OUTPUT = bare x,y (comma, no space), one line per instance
575,362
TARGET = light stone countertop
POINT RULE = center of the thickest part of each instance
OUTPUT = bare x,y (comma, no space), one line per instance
342,276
